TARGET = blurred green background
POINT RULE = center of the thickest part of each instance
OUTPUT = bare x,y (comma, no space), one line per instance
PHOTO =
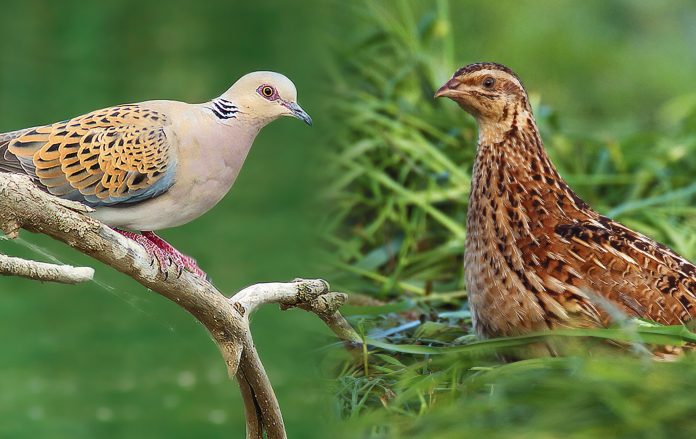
110,359
600,62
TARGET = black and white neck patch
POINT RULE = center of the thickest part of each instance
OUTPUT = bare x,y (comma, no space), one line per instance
223,109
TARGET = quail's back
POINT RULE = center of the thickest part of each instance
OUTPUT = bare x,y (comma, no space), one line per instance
537,256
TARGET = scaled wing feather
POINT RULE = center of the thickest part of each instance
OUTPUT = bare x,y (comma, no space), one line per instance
112,156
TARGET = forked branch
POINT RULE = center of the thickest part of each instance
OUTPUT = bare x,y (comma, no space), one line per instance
24,206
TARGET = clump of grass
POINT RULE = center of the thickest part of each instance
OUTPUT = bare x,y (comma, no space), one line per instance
576,397
401,182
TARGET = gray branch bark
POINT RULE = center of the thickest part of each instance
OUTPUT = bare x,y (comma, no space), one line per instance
24,206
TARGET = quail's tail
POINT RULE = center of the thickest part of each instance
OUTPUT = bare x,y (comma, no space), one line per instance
8,161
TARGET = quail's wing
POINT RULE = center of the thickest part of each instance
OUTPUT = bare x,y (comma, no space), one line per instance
112,156
647,278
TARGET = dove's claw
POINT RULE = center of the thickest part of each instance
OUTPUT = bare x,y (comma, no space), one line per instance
165,253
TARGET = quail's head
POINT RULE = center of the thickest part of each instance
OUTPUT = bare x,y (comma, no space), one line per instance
488,91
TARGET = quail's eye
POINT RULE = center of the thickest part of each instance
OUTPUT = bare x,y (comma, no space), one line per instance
489,82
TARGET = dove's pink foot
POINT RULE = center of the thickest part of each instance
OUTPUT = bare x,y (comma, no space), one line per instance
178,258
164,252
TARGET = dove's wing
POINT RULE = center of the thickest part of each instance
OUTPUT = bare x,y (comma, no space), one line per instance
9,162
112,156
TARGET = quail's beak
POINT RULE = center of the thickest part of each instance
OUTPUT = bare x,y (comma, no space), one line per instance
448,90
297,112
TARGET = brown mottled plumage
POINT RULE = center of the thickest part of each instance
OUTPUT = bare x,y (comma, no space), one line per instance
538,257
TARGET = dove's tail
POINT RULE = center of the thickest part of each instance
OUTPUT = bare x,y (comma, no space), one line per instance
8,161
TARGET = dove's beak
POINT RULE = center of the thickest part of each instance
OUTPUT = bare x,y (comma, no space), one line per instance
297,112
448,89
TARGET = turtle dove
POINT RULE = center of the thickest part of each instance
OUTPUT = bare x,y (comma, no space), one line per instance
156,164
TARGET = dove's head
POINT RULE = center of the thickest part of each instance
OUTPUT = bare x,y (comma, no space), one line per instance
263,97
488,91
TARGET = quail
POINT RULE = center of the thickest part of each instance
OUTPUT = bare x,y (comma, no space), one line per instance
536,256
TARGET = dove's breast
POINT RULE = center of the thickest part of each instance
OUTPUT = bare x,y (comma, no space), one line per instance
209,156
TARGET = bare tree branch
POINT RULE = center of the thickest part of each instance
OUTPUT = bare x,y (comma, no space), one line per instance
313,296
65,274
23,205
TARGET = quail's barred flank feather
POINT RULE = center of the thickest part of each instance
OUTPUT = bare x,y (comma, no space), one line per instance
537,256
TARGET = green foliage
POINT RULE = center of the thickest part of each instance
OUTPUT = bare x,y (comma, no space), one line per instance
402,170
401,192
577,397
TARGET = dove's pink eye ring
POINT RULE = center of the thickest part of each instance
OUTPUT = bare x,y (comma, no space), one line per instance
268,92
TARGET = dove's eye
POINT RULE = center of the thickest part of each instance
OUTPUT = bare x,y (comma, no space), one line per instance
268,92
